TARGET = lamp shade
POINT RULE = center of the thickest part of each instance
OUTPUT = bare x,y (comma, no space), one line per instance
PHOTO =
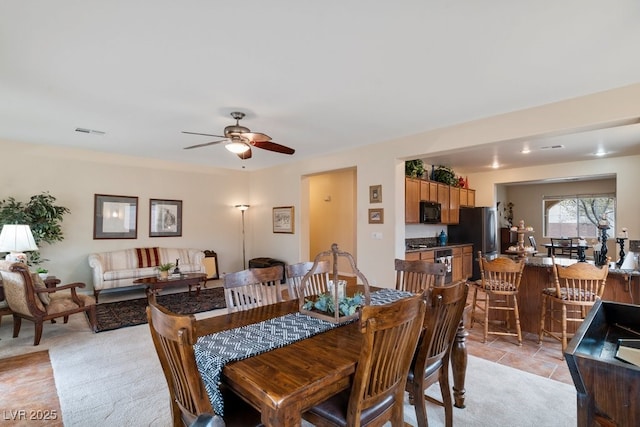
16,238
242,207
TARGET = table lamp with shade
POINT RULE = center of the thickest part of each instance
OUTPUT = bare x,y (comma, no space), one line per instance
16,239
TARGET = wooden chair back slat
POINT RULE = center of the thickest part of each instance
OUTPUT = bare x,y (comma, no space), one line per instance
252,288
418,275
317,283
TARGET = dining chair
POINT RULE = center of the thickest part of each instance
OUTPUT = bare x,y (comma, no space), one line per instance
174,336
418,275
534,245
576,289
252,288
390,334
29,298
499,281
562,246
317,284
445,306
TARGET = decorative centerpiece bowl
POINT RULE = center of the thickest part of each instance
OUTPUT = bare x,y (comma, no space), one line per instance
334,305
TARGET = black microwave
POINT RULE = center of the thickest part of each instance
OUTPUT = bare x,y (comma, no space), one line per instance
430,212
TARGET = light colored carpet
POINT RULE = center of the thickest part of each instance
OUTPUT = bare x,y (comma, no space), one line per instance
114,379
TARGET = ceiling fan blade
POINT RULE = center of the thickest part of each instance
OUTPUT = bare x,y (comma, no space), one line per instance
255,136
204,134
203,145
272,146
245,155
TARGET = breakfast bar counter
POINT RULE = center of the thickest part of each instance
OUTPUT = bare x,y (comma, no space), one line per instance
622,286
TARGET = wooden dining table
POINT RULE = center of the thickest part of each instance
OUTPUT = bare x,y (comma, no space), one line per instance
284,382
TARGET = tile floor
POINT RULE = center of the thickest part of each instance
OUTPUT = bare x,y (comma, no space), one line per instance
543,359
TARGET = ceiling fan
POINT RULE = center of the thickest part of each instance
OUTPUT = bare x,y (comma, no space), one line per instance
241,139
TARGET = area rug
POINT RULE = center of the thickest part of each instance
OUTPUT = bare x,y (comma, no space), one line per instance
120,314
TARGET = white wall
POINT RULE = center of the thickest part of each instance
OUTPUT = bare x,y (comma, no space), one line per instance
73,176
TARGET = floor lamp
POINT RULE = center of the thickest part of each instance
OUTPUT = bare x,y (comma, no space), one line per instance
244,259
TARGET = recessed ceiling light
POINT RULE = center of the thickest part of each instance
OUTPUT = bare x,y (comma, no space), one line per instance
525,151
495,164
600,153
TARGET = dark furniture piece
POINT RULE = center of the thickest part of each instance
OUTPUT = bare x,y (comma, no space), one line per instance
607,388
507,238
390,335
173,337
265,262
279,381
445,306
563,247
154,283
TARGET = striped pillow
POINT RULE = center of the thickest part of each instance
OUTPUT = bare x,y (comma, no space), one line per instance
148,257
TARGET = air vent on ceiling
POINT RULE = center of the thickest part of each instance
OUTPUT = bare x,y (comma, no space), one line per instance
91,131
550,147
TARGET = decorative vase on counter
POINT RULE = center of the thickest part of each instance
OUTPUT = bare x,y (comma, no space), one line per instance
442,238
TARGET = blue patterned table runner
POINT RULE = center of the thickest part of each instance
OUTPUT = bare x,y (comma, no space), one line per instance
214,351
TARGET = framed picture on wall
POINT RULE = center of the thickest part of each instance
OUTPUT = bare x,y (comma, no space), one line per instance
283,219
115,217
376,216
165,218
375,194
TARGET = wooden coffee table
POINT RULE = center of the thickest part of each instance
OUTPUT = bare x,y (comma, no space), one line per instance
155,283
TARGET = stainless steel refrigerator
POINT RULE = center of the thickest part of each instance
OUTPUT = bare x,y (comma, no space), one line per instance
477,226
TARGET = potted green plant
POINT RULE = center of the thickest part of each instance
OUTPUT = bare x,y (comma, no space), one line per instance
42,272
414,168
445,175
164,269
42,215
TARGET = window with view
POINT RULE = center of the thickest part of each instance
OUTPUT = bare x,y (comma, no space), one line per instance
578,215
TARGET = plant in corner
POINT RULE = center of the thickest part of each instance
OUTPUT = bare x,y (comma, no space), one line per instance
42,215
414,168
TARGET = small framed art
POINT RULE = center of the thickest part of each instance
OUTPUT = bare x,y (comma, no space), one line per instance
115,217
375,194
165,218
376,216
283,219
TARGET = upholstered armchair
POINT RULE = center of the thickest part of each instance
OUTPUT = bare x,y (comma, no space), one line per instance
29,298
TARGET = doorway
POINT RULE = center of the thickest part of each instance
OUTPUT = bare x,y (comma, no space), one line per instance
332,212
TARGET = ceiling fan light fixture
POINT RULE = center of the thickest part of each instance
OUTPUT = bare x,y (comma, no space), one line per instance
237,147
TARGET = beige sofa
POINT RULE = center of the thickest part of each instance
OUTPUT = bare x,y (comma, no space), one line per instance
118,269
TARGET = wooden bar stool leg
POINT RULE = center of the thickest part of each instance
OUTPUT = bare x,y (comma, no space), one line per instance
517,316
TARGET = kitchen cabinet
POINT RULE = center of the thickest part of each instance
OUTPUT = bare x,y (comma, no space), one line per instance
451,199
421,255
467,261
456,264
454,205
424,190
443,199
412,200
467,198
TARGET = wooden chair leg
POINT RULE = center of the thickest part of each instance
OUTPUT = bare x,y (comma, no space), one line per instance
516,314
564,328
473,306
38,332
486,316
17,322
445,391
543,313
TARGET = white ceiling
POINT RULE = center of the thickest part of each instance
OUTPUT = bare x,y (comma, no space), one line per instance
318,77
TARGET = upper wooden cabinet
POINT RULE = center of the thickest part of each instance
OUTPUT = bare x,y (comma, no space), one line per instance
450,199
467,198
454,205
412,200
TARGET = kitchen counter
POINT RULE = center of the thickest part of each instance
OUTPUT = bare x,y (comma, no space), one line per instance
433,248
622,286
